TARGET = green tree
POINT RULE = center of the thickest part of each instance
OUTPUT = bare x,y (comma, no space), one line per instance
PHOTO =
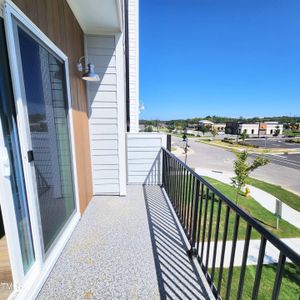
242,170
171,128
244,135
203,129
149,128
277,131
150,123
214,132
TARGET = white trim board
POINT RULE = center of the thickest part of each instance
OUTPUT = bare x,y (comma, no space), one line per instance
121,86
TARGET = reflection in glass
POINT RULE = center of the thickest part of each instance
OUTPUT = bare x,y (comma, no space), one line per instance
11,140
48,117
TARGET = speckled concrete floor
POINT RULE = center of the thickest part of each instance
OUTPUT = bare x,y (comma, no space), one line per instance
125,248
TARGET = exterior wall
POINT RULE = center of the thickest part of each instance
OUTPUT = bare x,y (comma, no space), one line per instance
251,129
263,126
232,128
104,119
144,164
271,128
206,123
133,38
219,126
57,21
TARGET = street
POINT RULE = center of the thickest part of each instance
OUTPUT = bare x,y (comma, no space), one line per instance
291,160
283,170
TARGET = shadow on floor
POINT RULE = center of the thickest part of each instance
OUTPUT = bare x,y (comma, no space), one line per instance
176,273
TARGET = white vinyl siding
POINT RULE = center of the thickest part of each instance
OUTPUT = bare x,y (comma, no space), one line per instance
133,38
103,115
144,164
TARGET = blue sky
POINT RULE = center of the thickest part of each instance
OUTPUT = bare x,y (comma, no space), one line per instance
219,57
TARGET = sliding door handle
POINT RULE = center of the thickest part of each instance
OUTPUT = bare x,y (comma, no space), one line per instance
30,156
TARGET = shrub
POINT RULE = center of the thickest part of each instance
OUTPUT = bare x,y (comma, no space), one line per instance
248,145
231,142
297,141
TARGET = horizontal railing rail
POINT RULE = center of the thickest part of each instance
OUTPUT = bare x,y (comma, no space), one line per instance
208,218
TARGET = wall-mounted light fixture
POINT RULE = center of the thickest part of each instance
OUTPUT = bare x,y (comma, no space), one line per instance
141,107
88,72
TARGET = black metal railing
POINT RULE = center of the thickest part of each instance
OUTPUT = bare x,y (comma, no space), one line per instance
214,226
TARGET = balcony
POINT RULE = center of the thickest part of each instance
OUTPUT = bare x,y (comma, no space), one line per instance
127,248
181,239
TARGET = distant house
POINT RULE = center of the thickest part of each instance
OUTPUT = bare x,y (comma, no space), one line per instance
205,123
262,129
295,126
192,126
142,127
232,128
254,129
272,127
249,128
220,127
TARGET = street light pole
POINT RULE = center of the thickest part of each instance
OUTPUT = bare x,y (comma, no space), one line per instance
265,142
186,146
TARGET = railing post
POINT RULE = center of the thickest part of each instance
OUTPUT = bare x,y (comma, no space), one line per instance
193,250
169,142
163,154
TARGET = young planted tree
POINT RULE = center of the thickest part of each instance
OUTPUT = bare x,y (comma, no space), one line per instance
277,131
243,168
244,135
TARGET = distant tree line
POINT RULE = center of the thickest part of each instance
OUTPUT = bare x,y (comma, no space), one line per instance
183,123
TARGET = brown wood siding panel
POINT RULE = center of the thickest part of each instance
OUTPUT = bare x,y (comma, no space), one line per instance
56,20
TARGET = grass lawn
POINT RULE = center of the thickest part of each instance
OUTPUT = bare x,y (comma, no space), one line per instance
277,191
286,230
290,288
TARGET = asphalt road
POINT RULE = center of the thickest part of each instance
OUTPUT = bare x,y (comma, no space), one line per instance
272,143
286,160
283,170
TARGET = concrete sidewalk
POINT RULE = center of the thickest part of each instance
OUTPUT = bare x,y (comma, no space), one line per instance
266,200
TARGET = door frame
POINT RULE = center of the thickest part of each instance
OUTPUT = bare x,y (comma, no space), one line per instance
28,285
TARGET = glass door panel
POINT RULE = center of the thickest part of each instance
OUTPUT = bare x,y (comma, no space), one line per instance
46,98
11,142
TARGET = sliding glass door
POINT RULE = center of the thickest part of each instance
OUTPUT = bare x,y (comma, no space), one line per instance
47,114
14,175
37,186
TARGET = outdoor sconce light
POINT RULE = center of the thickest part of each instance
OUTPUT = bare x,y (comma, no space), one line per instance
141,108
89,71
